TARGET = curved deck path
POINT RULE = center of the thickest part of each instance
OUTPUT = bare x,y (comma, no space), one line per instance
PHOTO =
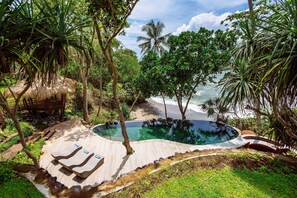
115,163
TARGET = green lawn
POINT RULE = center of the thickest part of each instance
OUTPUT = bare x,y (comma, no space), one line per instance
227,183
237,175
19,187
13,185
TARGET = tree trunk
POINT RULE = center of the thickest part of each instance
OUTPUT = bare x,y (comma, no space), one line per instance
252,16
126,142
258,116
180,106
85,102
84,77
184,116
100,82
12,115
2,120
165,108
134,102
107,54
23,142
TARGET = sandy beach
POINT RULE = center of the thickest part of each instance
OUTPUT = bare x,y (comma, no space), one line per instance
152,109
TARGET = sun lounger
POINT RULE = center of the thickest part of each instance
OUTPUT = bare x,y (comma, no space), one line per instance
84,171
79,159
66,153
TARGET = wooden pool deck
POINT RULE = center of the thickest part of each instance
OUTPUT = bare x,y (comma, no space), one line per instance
116,161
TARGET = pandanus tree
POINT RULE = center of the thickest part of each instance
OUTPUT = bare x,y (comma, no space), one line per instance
278,48
16,24
37,36
60,32
56,33
110,17
154,40
270,53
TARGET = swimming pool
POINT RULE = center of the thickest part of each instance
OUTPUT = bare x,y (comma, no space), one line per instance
197,132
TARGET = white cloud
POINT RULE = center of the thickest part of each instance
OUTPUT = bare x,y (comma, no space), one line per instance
220,4
176,15
134,29
207,20
149,9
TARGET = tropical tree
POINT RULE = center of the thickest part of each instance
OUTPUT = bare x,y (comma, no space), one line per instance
56,32
239,75
110,17
215,107
152,80
270,55
192,60
37,36
16,24
154,41
278,48
128,65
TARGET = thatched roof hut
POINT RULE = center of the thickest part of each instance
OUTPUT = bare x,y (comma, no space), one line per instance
42,91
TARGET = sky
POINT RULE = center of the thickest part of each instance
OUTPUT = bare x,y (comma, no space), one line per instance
178,16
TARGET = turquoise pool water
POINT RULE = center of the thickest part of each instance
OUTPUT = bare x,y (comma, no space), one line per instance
197,132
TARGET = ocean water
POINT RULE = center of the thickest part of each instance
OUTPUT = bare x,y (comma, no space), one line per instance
204,93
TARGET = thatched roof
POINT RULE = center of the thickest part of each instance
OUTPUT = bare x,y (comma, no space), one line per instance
41,91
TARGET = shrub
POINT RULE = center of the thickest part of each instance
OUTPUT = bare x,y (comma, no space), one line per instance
244,123
98,120
10,129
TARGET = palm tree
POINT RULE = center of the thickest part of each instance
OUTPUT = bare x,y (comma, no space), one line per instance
154,41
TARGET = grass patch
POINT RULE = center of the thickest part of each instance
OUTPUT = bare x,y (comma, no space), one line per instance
2,87
10,129
1,137
14,140
35,148
229,175
19,187
13,185
227,183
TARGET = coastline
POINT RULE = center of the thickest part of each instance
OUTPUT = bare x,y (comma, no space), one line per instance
152,109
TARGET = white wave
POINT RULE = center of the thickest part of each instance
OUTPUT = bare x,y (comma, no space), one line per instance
192,106
199,93
195,106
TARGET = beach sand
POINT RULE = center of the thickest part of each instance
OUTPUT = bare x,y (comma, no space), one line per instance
152,109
